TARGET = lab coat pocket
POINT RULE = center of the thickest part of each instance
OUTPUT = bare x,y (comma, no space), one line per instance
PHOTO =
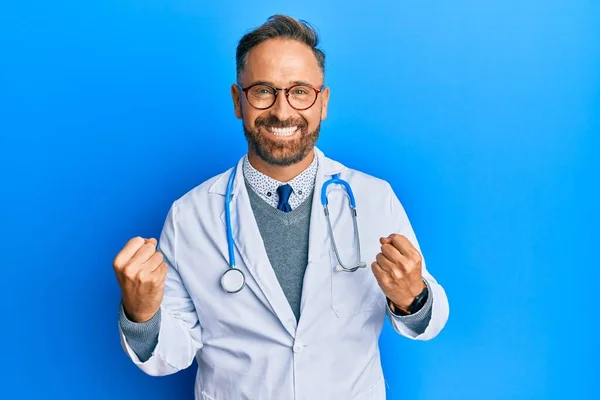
352,293
218,383
376,391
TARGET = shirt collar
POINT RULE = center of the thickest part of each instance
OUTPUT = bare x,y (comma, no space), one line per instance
302,184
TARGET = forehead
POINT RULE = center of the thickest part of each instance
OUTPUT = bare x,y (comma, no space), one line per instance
281,62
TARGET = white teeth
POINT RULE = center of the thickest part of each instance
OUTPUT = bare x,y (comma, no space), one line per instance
283,131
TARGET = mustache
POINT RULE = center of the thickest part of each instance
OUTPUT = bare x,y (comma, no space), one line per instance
275,122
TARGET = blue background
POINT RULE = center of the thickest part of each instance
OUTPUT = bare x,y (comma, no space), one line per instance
484,116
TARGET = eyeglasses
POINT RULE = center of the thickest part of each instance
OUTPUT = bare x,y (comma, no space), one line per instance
262,96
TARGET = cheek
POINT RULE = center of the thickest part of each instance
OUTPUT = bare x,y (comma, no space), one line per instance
313,118
249,116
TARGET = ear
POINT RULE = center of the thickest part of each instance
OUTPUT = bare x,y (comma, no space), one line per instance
237,103
324,102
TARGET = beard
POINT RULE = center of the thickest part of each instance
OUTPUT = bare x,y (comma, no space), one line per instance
281,152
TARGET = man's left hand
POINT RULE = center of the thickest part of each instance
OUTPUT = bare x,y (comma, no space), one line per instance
398,270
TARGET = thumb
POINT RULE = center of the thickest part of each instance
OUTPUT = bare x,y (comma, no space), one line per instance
385,240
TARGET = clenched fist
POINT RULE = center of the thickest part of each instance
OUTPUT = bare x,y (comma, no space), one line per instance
141,273
398,270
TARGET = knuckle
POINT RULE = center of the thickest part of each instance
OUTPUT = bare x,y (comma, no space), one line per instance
414,264
402,241
141,276
129,276
386,281
158,280
403,263
118,264
130,271
375,268
397,274
398,263
161,268
417,257
135,244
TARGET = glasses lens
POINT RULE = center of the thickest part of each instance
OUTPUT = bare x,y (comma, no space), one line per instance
302,97
261,96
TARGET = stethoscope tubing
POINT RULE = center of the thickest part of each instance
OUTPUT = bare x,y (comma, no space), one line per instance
342,267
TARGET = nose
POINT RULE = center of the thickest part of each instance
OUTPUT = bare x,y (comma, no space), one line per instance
282,109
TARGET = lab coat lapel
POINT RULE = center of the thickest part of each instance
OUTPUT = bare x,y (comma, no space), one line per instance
317,273
249,243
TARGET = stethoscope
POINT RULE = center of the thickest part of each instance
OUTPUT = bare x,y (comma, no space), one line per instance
233,280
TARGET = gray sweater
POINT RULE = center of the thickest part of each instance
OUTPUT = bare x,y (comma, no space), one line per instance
285,236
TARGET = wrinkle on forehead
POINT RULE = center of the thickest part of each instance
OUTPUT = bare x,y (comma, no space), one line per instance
282,62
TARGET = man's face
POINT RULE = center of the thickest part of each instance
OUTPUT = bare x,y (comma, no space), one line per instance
281,64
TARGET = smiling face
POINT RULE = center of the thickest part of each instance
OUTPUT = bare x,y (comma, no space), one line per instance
281,135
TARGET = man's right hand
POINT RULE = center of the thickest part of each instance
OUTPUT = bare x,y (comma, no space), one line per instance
141,273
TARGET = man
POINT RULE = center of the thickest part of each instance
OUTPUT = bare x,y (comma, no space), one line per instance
299,317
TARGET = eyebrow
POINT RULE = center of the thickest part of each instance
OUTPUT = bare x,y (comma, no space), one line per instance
293,83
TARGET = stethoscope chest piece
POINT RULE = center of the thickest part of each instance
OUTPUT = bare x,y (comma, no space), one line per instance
233,280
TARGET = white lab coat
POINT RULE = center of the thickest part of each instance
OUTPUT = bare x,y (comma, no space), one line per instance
248,344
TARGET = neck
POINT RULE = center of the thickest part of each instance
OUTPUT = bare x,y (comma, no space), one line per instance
278,172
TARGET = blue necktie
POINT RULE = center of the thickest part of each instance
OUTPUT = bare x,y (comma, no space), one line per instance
284,192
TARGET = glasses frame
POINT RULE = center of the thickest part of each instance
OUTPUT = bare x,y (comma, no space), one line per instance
286,91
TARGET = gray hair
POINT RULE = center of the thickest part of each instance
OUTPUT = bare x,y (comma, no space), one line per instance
282,27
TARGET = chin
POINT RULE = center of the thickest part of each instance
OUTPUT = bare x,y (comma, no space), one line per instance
284,151
282,158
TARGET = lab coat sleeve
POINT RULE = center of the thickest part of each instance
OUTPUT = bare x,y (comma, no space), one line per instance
439,308
141,337
418,321
180,335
